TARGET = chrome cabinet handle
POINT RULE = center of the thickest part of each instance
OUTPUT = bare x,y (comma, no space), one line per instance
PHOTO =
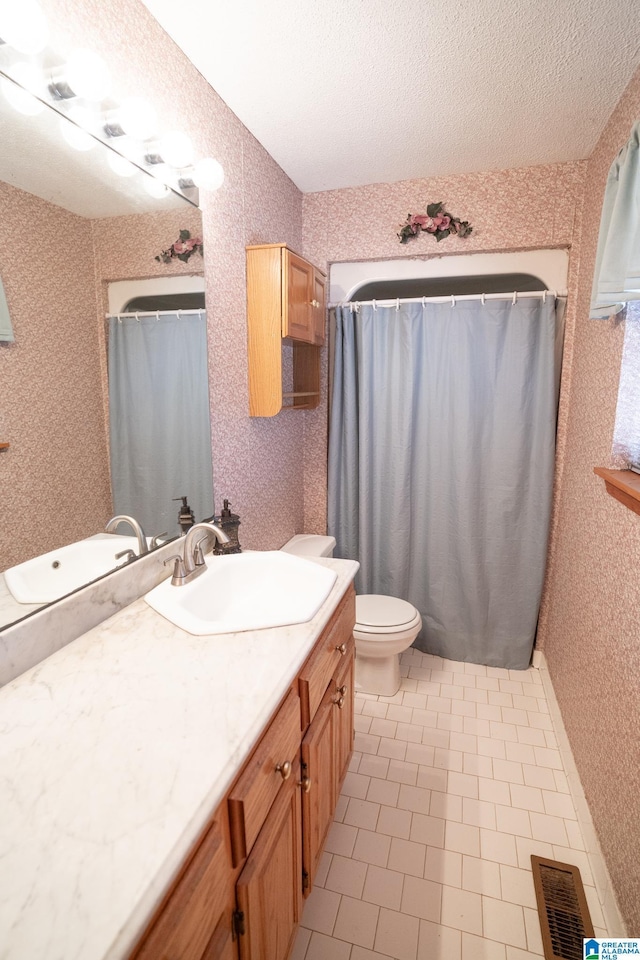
305,783
284,769
342,649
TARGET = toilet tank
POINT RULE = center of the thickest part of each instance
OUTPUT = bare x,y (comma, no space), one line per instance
310,545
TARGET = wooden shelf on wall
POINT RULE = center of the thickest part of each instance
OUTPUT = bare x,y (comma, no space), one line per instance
624,485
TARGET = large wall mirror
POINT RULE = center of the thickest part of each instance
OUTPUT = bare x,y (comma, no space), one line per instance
70,226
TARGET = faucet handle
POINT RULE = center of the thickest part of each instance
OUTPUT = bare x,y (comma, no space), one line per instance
129,554
198,555
179,572
155,541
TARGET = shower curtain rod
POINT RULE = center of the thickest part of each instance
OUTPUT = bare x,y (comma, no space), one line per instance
452,298
153,313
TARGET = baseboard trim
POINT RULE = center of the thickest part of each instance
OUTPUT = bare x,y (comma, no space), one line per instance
613,922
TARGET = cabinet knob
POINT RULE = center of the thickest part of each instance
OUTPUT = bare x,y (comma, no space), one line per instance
305,783
342,690
342,649
339,703
315,303
284,769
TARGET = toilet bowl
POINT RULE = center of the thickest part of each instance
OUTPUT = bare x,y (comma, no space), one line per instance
385,626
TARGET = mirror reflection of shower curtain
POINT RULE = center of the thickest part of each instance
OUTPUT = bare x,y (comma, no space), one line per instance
441,457
160,436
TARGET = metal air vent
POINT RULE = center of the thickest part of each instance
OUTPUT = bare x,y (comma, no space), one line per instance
562,908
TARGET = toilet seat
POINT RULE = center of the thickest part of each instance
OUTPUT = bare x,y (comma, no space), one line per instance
384,616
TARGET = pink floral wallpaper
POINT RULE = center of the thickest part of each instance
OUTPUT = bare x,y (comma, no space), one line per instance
274,471
258,464
591,611
55,481
528,208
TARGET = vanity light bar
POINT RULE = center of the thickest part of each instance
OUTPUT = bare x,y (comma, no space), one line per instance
167,158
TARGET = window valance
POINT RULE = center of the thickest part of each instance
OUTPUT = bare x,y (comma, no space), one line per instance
617,275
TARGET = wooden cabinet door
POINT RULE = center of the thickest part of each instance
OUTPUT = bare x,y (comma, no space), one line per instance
222,945
343,725
269,889
318,307
297,316
199,907
318,802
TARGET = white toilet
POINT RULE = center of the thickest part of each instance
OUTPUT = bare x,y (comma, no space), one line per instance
385,626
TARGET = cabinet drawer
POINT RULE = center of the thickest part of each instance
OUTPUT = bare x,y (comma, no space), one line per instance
321,665
195,909
252,795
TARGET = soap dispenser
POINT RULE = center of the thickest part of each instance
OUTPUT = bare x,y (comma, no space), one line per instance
186,518
228,523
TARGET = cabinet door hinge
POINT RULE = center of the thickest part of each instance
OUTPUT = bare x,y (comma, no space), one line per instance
305,880
238,923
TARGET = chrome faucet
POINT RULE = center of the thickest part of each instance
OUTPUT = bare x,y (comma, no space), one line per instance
135,526
190,566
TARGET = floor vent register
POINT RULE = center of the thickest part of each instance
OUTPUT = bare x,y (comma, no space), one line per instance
562,907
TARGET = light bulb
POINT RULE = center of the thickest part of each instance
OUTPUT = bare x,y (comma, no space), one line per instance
76,137
208,174
131,149
121,165
137,117
88,75
22,94
24,26
84,117
176,149
155,188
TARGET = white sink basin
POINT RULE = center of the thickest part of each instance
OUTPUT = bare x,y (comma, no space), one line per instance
245,591
52,575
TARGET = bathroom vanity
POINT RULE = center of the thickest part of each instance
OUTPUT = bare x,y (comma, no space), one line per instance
168,796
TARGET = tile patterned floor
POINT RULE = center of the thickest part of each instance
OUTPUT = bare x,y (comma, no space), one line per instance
454,783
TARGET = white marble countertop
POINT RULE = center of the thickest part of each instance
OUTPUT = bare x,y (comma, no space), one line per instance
114,752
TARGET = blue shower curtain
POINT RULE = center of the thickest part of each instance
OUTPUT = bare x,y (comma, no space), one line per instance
441,456
159,418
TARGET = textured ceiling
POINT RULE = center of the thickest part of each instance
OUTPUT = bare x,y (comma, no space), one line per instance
349,92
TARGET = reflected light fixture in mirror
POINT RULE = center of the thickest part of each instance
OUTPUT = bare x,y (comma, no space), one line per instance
84,78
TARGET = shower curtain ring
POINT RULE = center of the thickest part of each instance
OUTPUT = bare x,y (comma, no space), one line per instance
424,303
483,299
515,297
397,304
374,305
544,296
453,300
157,315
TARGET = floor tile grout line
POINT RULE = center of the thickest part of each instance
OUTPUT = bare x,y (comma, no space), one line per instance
447,729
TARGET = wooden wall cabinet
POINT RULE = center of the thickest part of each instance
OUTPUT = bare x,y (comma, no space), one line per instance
240,893
285,303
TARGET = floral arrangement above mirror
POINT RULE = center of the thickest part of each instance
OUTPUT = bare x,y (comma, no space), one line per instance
183,248
437,222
